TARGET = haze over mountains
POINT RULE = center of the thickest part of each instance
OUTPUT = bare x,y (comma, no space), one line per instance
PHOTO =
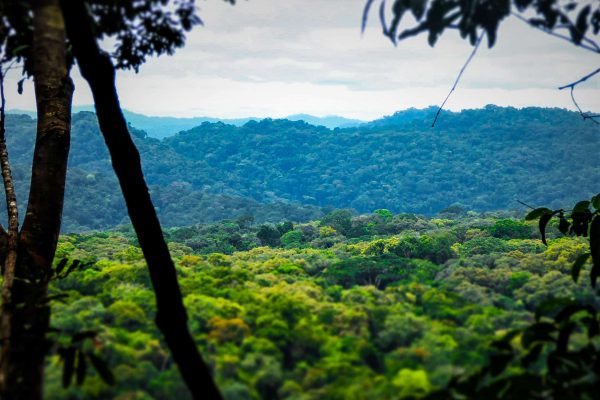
164,126
482,159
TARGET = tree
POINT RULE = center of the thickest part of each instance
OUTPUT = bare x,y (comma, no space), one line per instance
572,21
571,371
25,316
140,29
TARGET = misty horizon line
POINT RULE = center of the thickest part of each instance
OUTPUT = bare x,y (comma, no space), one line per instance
91,108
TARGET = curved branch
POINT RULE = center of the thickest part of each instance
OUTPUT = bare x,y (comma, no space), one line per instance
460,74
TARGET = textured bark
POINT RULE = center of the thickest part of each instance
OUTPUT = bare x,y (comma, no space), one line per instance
22,364
171,318
10,251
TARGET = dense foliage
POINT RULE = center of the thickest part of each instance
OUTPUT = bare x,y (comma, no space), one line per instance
277,169
374,306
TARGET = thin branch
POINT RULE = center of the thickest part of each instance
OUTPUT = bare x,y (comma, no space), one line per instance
462,70
571,86
11,203
10,257
581,80
525,204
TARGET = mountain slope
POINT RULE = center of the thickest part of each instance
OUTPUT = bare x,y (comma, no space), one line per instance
482,159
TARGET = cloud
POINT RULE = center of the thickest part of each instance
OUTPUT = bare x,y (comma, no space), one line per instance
266,58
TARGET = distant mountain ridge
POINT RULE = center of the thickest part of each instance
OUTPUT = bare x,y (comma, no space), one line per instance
164,126
275,169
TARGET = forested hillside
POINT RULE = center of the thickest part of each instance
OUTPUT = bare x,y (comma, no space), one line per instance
482,159
370,307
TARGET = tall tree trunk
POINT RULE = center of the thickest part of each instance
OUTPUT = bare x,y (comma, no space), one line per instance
22,364
12,237
171,317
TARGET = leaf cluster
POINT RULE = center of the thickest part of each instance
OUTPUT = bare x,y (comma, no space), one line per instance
582,221
138,28
470,17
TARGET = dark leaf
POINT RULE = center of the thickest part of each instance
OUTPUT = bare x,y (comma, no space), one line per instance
68,357
499,361
538,212
581,25
592,325
76,264
544,219
365,16
564,334
532,355
78,337
552,306
20,85
60,296
417,8
563,224
582,206
596,201
60,266
538,332
102,368
578,264
81,368
595,249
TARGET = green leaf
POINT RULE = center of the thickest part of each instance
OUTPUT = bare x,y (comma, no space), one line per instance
596,201
595,249
68,356
102,368
578,264
538,212
544,219
582,206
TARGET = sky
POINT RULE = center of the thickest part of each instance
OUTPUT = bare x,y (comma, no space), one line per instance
266,58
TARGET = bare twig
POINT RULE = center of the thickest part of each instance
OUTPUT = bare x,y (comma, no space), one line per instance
572,86
581,80
525,204
462,70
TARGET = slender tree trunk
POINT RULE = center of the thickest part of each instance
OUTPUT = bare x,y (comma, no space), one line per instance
22,365
171,318
10,251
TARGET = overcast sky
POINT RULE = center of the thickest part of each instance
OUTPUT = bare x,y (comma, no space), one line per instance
268,58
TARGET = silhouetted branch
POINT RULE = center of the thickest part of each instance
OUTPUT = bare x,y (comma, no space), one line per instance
571,86
525,204
462,70
581,80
